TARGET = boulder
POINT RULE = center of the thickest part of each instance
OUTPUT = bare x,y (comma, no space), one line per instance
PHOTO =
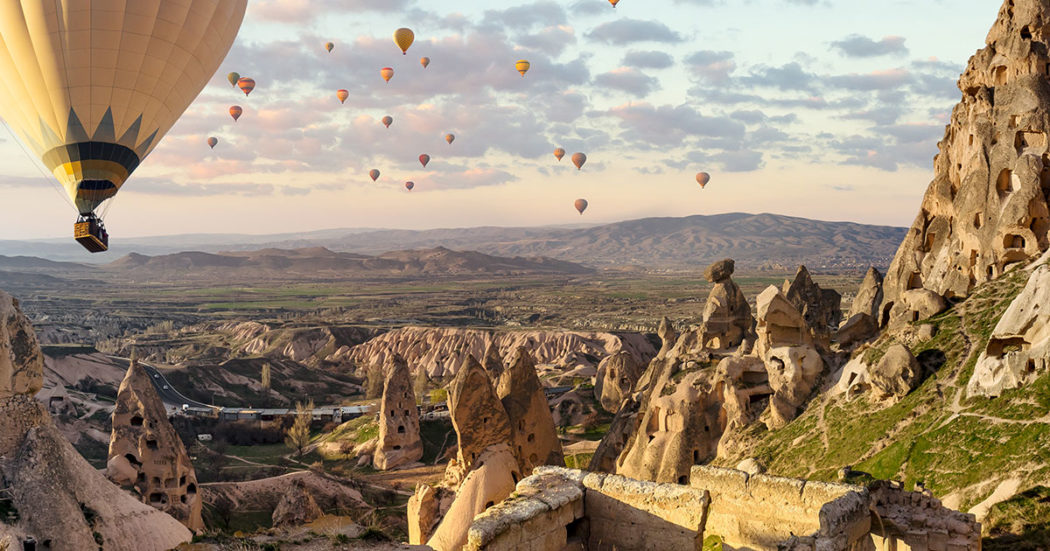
399,442
617,375
533,436
859,328
720,271
727,319
147,455
751,466
297,507
869,295
489,483
911,306
21,363
896,374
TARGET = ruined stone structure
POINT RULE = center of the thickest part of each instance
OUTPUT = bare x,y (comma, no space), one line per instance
986,208
617,375
146,454
399,443
533,436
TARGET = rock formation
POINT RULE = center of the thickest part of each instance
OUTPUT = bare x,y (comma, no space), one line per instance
896,374
727,317
296,507
61,500
821,308
667,335
617,375
1017,352
147,454
477,415
869,296
986,208
533,436
399,443
493,363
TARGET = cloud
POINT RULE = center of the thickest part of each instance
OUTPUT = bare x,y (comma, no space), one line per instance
790,76
887,79
711,65
629,31
856,45
626,79
648,59
305,11
667,125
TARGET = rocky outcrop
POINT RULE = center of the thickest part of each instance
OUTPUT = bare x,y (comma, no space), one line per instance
146,454
60,499
493,363
787,348
821,308
533,436
477,416
1017,352
727,317
617,375
986,208
869,296
668,335
573,408
440,351
896,374
399,443
296,507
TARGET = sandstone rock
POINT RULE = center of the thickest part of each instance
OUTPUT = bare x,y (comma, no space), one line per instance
533,436
821,308
751,466
422,514
746,387
860,327
1017,352
477,415
296,507
147,454
896,374
720,271
399,442
623,426
668,336
787,348
911,306
21,363
727,319
493,363
572,409
617,375
986,208
869,296
489,483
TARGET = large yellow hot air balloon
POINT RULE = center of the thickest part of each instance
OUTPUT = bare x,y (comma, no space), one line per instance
93,88
404,38
523,67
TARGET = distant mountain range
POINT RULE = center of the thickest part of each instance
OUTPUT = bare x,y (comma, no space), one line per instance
753,240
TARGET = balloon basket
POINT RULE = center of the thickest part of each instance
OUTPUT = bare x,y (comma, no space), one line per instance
91,234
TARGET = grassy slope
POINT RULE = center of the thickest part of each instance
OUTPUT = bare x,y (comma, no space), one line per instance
935,435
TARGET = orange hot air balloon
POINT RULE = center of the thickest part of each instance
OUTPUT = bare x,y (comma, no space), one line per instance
342,95
387,121
329,46
424,159
424,62
212,142
374,174
614,2
450,138
235,112
559,153
233,78
578,159
404,38
581,205
246,85
387,73
522,66
703,178
410,185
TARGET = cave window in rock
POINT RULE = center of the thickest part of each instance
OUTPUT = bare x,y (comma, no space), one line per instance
484,420
158,498
991,272
683,479
133,460
971,139
1004,185
1012,241
401,429
156,481
191,489
489,504
915,281
396,448
182,480
931,238
1026,33
886,310
151,444
514,476
999,75
136,421
696,457
531,437
183,499
141,477
977,221
521,424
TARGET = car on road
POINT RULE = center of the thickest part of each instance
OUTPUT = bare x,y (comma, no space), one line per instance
156,375
165,387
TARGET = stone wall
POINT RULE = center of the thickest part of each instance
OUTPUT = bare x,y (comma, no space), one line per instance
918,521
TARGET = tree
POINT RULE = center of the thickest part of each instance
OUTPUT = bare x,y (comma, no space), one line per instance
298,435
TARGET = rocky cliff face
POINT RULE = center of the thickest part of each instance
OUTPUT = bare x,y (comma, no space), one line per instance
986,209
21,362
399,443
147,455
533,437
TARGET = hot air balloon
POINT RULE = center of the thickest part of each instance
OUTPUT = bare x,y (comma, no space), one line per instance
246,85
78,94
404,38
387,73
212,142
387,121
342,95
559,153
614,2
233,78
450,138
578,159
523,67
374,174
581,205
235,112
703,178
410,185
424,61
424,159
329,46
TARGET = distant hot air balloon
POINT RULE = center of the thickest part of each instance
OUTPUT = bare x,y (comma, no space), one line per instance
387,73
233,78
559,153
342,95
404,38
703,178
212,142
374,174
522,66
410,185
614,2
578,159
581,205
424,159
424,62
450,138
329,46
246,85
235,112
387,121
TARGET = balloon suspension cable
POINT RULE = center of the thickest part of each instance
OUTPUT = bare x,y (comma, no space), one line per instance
36,164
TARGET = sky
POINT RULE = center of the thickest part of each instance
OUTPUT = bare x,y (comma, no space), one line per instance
825,109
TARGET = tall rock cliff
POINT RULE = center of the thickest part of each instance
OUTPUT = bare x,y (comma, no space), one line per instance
986,209
399,442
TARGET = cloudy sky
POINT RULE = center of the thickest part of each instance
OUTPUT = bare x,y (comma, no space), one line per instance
827,109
